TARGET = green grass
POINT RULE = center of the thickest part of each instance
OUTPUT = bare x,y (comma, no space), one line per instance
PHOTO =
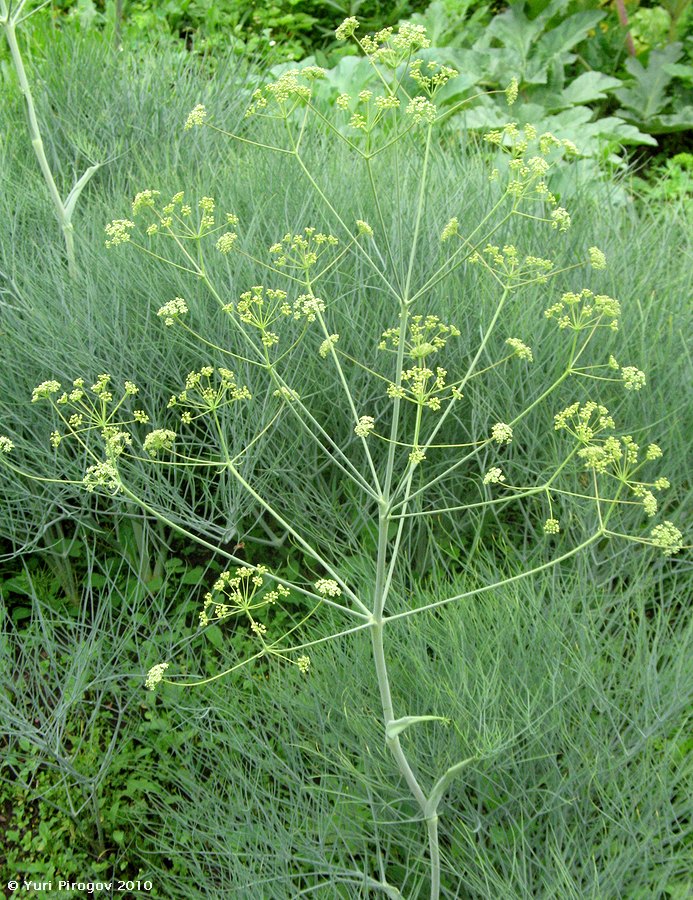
571,691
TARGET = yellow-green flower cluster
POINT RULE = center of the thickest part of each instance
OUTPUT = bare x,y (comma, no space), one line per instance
155,675
389,46
196,117
372,109
584,421
502,433
158,441
416,457
103,474
143,200
115,440
263,307
347,29
618,458
45,390
172,310
302,251
364,426
521,350
291,89
327,345
437,75
240,592
667,537
328,587
94,409
118,232
633,379
173,218
494,476
421,386
426,335
203,395
509,267
560,219
511,91
226,241
421,111
597,258
528,165
450,230
307,307
585,310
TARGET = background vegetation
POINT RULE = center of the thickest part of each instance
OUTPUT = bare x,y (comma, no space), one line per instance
578,685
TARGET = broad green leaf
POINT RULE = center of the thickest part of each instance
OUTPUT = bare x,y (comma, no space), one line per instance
588,87
516,31
679,70
193,576
441,27
646,95
668,124
215,637
560,40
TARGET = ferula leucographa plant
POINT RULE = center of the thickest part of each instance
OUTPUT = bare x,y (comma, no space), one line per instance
400,443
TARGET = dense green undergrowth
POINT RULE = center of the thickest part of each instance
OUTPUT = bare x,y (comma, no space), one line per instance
570,692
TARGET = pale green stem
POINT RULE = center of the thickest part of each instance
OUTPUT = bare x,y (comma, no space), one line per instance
397,402
388,715
447,411
284,524
384,572
419,215
230,556
381,218
37,143
243,140
343,224
347,392
403,315
400,525
496,584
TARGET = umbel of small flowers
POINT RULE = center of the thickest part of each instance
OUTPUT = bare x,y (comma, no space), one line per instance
243,594
176,219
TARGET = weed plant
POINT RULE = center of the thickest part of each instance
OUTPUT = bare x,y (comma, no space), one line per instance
551,748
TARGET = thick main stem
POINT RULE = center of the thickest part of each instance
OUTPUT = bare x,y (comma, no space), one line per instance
385,567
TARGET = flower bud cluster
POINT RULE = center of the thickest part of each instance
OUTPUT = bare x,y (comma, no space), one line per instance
206,391
293,88
302,251
578,312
